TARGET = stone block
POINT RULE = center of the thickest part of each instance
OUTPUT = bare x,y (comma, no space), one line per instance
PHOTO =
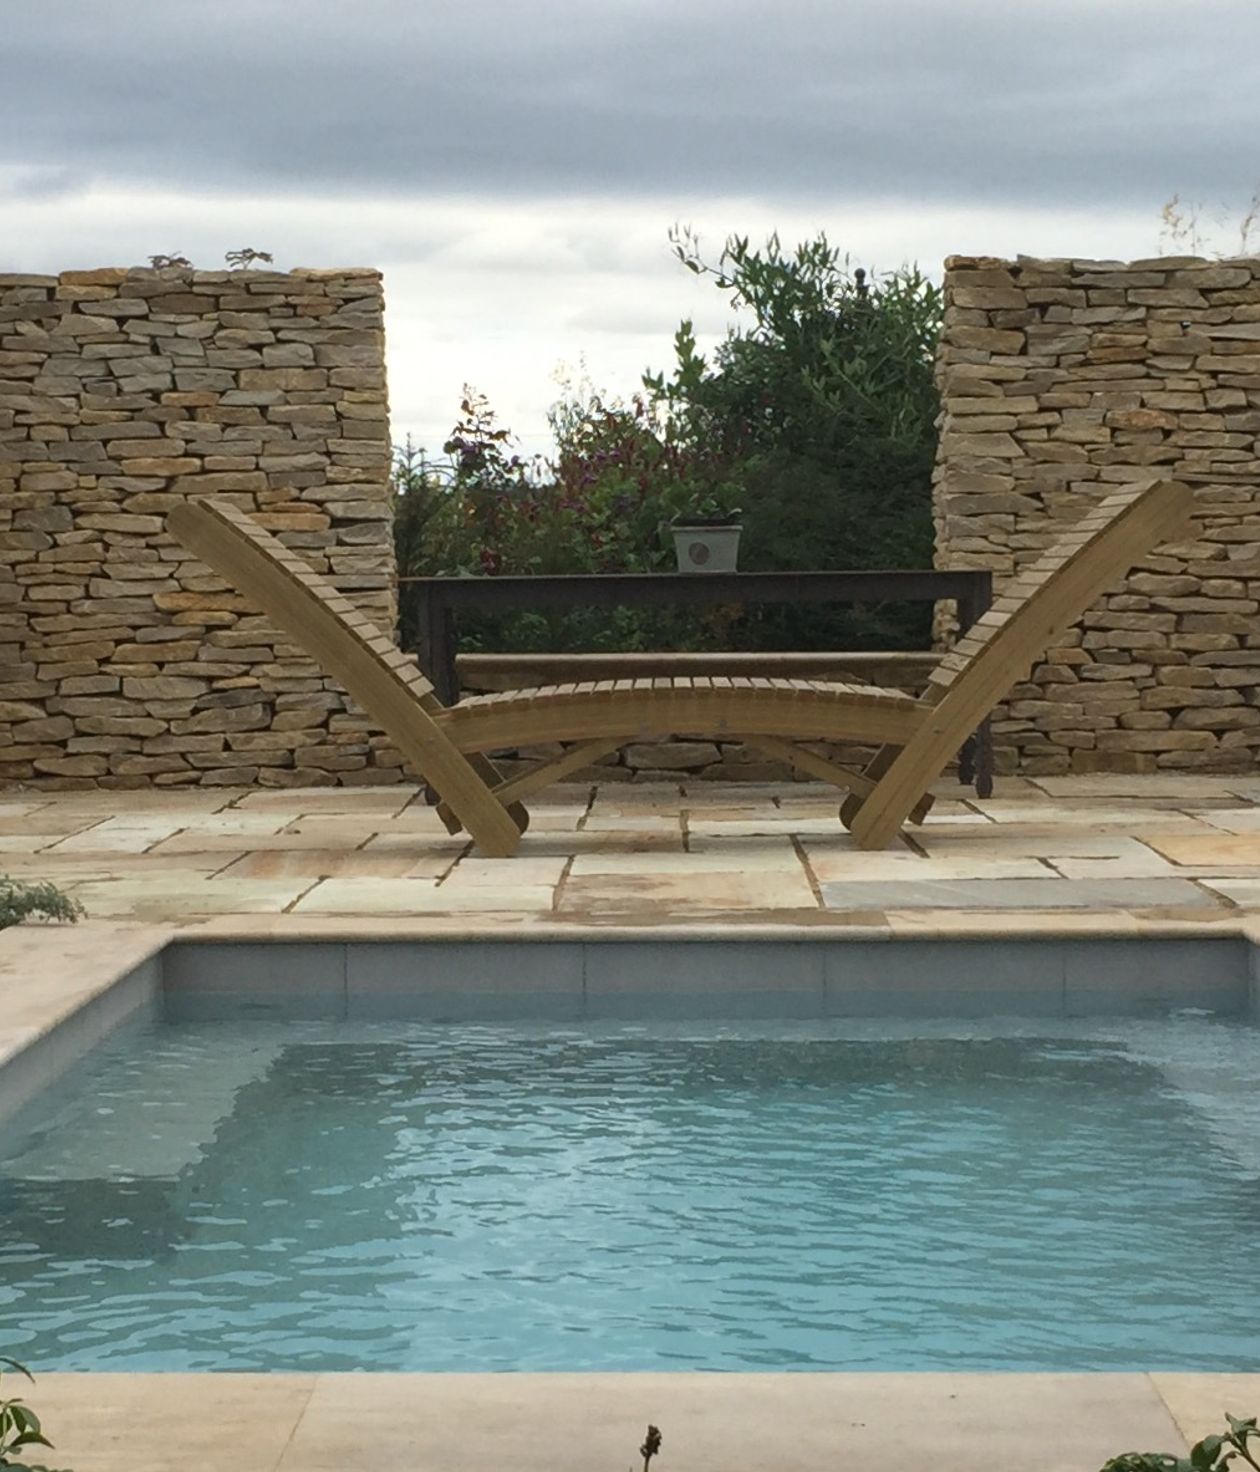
1206,277
18,710
287,355
89,685
285,379
72,766
1154,741
1234,719
673,755
163,687
46,728
987,298
997,446
161,466
195,380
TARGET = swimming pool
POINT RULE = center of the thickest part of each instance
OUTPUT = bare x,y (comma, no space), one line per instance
827,1193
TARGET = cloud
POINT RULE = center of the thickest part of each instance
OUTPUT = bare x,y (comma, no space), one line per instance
974,101
514,168
56,182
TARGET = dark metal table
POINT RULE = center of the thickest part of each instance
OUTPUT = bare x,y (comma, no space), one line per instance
439,600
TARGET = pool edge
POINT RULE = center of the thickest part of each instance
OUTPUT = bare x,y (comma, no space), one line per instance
67,988
788,1421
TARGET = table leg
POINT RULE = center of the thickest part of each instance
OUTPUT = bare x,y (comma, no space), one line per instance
984,760
967,762
442,646
445,646
438,645
975,760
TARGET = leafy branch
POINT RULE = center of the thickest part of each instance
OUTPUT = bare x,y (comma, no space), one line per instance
19,1425
241,260
1212,1454
1183,227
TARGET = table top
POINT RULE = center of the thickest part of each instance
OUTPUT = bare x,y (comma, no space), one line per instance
607,588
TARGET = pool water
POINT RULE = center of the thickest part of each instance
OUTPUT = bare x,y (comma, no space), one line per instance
262,1196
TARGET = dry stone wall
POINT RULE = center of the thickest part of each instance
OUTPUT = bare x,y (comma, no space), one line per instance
123,661
1059,379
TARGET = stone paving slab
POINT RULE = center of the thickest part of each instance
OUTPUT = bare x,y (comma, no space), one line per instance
171,893
849,865
1245,893
1207,851
672,895
1233,820
1017,894
315,864
87,866
354,896
46,974
1198,1403
1160,785
161,1423
330,799
706,856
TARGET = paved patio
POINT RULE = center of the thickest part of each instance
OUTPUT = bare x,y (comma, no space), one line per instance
1148,848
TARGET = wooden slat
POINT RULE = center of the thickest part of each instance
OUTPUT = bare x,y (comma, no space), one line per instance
667,707
1128,526
836,773
582,754
400,700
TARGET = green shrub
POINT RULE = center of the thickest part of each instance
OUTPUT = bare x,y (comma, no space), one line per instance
829,401
603,505
817,419
20,902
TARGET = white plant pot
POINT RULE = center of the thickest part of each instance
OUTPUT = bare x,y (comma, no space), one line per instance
706,548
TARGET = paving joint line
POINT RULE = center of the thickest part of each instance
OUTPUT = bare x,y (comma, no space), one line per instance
592,793
557,893
1219,900
297,899
810,877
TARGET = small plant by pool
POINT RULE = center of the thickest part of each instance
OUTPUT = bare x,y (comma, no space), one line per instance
1213,1454
19,901
19,1425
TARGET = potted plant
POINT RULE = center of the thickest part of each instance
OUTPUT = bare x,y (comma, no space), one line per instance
706,534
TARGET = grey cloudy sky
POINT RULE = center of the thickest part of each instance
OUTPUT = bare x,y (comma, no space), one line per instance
514,168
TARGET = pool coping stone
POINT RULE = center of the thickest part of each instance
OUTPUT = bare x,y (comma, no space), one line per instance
788,1422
